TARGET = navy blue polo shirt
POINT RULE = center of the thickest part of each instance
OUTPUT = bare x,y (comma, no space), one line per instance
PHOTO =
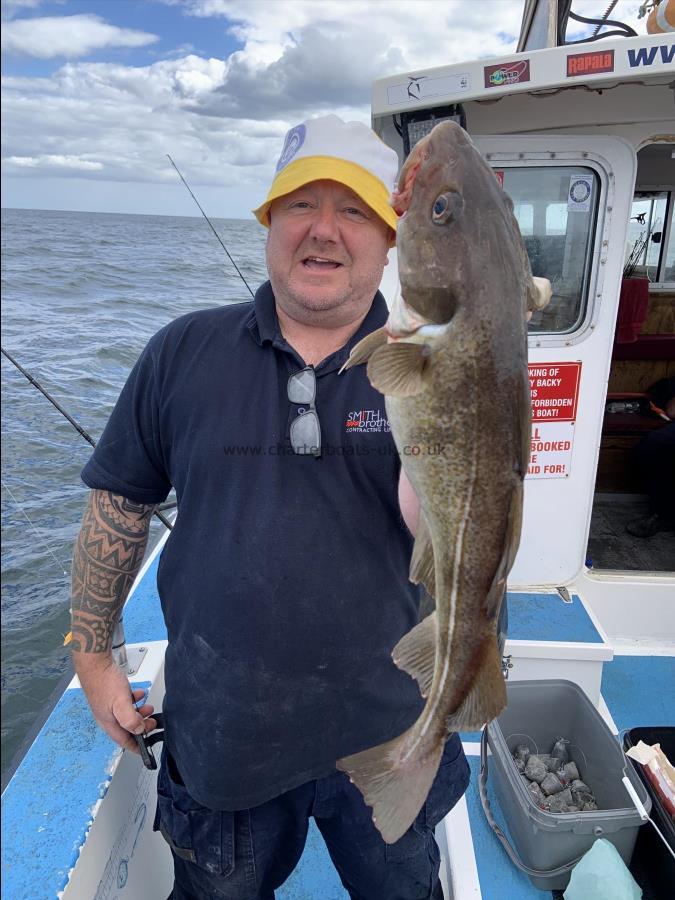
284,583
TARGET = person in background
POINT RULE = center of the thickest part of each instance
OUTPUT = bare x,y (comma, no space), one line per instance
284,583
654,461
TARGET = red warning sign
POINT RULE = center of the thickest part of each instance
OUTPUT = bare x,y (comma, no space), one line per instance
554,389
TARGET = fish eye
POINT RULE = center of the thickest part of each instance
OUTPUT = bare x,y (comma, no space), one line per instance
446,206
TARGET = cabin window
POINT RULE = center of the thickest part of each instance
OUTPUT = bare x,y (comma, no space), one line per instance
650,250
524,213
556,208
669,265
556,218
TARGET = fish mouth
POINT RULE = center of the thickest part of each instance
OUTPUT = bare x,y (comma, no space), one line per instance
429,314
320,263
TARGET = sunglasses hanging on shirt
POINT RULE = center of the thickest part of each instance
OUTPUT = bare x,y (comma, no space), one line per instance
305,429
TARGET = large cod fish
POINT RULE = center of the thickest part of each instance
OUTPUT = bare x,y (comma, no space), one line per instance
452,364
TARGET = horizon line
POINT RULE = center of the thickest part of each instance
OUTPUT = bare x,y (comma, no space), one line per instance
100,212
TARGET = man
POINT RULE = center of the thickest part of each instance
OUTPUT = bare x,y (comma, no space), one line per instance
284,581
653,464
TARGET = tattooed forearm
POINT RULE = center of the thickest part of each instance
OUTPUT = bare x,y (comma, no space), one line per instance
108,555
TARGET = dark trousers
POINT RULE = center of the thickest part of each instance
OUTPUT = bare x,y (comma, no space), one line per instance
245,855
655,461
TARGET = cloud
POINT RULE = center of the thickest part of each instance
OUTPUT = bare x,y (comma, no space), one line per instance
69,36
9,8
223,120
422,32
54,161
114,122
301,58
318,72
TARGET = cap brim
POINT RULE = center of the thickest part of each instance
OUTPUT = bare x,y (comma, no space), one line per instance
314,168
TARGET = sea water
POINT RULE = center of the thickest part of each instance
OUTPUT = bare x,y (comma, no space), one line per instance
81,295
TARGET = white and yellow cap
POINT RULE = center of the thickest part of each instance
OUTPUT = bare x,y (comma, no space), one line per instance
348,152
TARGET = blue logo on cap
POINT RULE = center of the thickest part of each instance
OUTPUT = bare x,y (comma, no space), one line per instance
294,141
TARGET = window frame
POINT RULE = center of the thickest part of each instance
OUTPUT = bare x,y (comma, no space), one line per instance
502,160
663,286
598,237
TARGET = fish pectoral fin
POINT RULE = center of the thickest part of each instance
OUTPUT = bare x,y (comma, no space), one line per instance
486,697
395,783
422,560
415,653
362,351
495,595
397,369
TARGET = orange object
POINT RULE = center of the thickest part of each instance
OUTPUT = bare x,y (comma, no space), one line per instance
662,18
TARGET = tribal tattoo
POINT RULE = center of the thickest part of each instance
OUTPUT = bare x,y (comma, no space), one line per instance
108,555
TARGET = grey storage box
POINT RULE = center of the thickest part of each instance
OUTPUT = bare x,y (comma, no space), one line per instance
548,845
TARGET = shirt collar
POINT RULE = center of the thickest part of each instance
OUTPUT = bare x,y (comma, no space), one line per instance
263,323
264,327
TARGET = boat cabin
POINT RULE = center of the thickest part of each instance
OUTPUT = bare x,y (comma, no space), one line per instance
583,140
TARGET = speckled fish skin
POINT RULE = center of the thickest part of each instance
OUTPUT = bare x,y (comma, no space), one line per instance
454,375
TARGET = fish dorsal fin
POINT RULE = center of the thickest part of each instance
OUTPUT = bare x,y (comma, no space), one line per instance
514,519
486,697
397,369
422,561
362,351
415,653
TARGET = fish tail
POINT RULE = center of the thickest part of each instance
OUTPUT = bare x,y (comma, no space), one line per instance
395,781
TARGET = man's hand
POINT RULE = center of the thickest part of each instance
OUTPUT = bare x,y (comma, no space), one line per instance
110,698
108,556
408,502
538,296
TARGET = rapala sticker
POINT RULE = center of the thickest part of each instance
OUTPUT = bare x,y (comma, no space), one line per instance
580,193
648,56
590,63
507,73
421,87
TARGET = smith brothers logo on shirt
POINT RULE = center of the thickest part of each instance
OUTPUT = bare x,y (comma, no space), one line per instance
366,421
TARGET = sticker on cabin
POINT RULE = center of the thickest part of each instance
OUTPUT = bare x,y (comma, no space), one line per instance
580,192
590,63
507,73
421,87
499,175
551,450
647,56
554,391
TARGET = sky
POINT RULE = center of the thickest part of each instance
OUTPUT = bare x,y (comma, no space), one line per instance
95,93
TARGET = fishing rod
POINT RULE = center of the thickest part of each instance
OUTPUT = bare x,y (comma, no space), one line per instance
211,225
37,534
72,421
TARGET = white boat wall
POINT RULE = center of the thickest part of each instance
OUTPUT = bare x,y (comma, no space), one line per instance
572,132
